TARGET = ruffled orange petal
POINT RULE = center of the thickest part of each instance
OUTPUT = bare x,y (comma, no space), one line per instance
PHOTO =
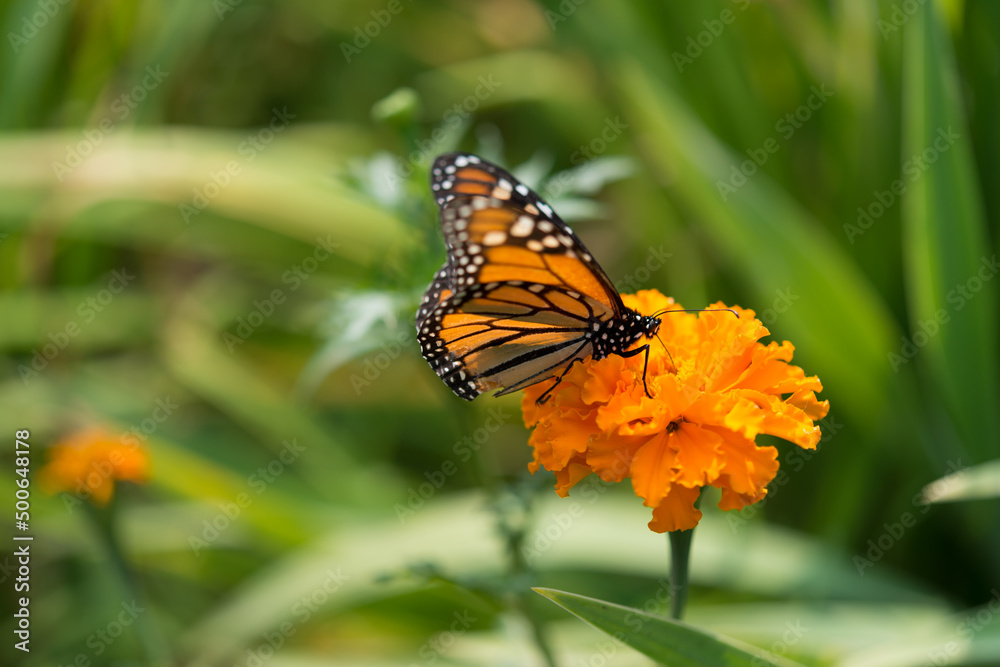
603,381
715,390
784,420
676,511
653,469
699,455
569,476
567,433
610,455
749,468
736,501
807,402
729,410
624,407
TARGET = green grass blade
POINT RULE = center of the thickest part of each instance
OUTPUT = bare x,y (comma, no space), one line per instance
950,269
669,642
982,481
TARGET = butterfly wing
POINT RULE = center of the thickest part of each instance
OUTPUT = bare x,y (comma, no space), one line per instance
497,229
519,297
505,335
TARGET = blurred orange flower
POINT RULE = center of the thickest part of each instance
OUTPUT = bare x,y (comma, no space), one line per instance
86,463
699,429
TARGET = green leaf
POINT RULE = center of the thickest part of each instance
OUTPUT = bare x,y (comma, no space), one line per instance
669,642
982,481
950,269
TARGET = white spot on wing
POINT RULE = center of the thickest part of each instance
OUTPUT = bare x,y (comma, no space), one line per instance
522,227
494,238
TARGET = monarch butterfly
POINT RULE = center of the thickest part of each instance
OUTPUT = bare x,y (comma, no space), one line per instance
520,299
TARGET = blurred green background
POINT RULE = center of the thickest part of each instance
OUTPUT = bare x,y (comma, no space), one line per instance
257,174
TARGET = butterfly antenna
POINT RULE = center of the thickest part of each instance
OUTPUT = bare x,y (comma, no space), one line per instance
667,350
695,310
686,310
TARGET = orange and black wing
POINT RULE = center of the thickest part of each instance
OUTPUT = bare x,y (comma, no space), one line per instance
519,297
505,335
497,229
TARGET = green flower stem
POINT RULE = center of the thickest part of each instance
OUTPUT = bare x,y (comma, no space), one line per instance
522,572
521,596
152,641
680,555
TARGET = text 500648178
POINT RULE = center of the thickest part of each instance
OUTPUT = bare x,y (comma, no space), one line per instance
22,505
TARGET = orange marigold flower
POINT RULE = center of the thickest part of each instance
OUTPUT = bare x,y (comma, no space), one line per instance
87,462
697,430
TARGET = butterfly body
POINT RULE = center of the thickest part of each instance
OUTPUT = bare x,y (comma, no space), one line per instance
520,299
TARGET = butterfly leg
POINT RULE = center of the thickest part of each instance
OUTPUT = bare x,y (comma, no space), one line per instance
545,396
631,353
